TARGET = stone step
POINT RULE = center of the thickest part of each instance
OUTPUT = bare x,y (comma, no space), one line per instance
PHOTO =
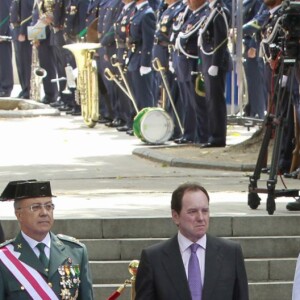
253,247
229,226
258,270
281,290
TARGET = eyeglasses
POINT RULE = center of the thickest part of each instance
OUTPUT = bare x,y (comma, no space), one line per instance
38,207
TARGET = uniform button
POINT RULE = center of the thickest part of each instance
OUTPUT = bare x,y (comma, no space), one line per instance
22,288
50,284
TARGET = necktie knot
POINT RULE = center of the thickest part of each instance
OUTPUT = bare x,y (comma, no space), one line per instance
43,258
194,247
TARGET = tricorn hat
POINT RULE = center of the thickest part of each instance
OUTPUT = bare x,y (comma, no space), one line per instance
22,189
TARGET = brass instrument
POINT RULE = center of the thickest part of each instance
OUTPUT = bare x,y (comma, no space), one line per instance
87,81
49,7
37,74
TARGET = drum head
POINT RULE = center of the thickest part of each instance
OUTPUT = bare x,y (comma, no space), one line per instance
156,126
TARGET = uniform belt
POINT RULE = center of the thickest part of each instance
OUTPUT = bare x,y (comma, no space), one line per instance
161,43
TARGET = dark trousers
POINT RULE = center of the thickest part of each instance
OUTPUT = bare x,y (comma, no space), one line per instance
6,70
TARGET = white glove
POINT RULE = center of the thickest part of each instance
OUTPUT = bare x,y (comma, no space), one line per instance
171,68
213,70
144,70
284,80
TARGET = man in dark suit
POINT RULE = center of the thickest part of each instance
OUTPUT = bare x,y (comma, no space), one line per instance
165,269
38,264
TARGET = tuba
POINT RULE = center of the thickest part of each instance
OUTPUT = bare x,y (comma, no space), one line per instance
87,81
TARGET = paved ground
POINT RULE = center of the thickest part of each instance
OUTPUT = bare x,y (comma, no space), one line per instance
94,172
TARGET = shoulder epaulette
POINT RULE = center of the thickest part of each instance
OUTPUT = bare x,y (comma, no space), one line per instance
69,239
6,243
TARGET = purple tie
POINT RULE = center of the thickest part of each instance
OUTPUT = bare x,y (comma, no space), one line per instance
194,274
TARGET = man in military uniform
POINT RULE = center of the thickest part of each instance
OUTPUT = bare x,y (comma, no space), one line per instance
216,62
118,34
38,264
185,62
253,63
6,70
141,41
20,18
161,51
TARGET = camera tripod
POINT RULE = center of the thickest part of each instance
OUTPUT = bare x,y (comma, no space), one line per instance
273,123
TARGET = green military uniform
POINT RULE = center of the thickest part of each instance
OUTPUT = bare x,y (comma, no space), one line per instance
66,254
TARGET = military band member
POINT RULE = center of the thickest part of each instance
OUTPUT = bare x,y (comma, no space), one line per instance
141,40
6,70
253,63
20,18
185,63
43,12
120,30
38,264
162,50
216,62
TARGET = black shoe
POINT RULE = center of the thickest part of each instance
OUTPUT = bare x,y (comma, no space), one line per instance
265,170
104,120
115,123
212,145
130,132
48,100
65,108
293,174
182,141
4,94
293,206
123,128
76,112
57,104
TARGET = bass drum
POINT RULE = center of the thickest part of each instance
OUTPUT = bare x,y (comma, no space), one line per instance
153,125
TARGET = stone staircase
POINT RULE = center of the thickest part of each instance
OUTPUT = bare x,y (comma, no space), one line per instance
270,244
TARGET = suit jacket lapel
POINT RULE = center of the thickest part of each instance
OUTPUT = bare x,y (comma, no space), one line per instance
27,255
172,262
213,263
57,255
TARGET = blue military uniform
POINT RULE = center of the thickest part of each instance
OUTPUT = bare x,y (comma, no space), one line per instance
186,67
6,70
214,52
112,10
20,18
120,35
46,58
107,14
141,40
254,66
161,50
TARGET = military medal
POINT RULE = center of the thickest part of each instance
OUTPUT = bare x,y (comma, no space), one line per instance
163,29
62,273
69,281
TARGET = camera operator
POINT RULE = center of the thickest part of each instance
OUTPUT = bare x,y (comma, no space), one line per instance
273,53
